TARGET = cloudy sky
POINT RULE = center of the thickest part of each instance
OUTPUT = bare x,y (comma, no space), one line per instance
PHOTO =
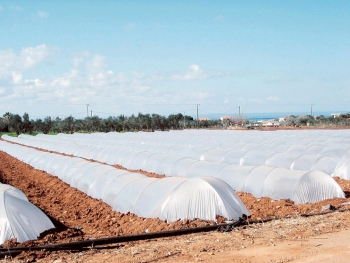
125,57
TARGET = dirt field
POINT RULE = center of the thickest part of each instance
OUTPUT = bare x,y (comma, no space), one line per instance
320,238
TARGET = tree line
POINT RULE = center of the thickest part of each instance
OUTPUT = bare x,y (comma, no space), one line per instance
142,122
339,120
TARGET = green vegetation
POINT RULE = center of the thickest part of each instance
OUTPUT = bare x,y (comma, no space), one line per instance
14,124
308,120
13,134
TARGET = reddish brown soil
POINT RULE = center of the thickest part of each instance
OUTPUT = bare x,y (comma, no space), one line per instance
78,216
140,171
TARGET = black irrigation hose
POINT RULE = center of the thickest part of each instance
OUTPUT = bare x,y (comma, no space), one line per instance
84,244
78,245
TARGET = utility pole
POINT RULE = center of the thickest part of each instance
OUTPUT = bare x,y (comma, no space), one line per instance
197,116
239,115
87,110
311,108
184,120
91,113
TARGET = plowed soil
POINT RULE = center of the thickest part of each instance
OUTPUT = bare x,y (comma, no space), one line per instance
80,217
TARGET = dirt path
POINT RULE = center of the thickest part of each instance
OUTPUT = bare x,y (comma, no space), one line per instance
278,241
334,247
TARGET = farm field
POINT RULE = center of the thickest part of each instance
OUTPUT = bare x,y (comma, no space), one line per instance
79,217
174,131
252,162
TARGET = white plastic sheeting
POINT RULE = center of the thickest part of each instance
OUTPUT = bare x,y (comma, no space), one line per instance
296,150
260,180
281,183
141,159
167,198
18,217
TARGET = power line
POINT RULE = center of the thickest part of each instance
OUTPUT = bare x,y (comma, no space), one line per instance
232,109
57,115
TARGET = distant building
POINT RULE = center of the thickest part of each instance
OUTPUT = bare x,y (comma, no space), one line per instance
204,119
226,118
270,123
227,121
281,119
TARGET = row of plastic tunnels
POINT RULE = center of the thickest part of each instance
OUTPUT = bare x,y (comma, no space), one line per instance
203,169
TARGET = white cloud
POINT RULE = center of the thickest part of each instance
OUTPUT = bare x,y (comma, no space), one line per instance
195,68
143,89
31,82
195,73
97,64
107,78
78,60
67,80
17,77
99,75
96,84
27,58
61,82
91,81
31,56
7,62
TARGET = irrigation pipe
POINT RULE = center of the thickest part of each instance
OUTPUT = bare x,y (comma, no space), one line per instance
95,243
78,245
